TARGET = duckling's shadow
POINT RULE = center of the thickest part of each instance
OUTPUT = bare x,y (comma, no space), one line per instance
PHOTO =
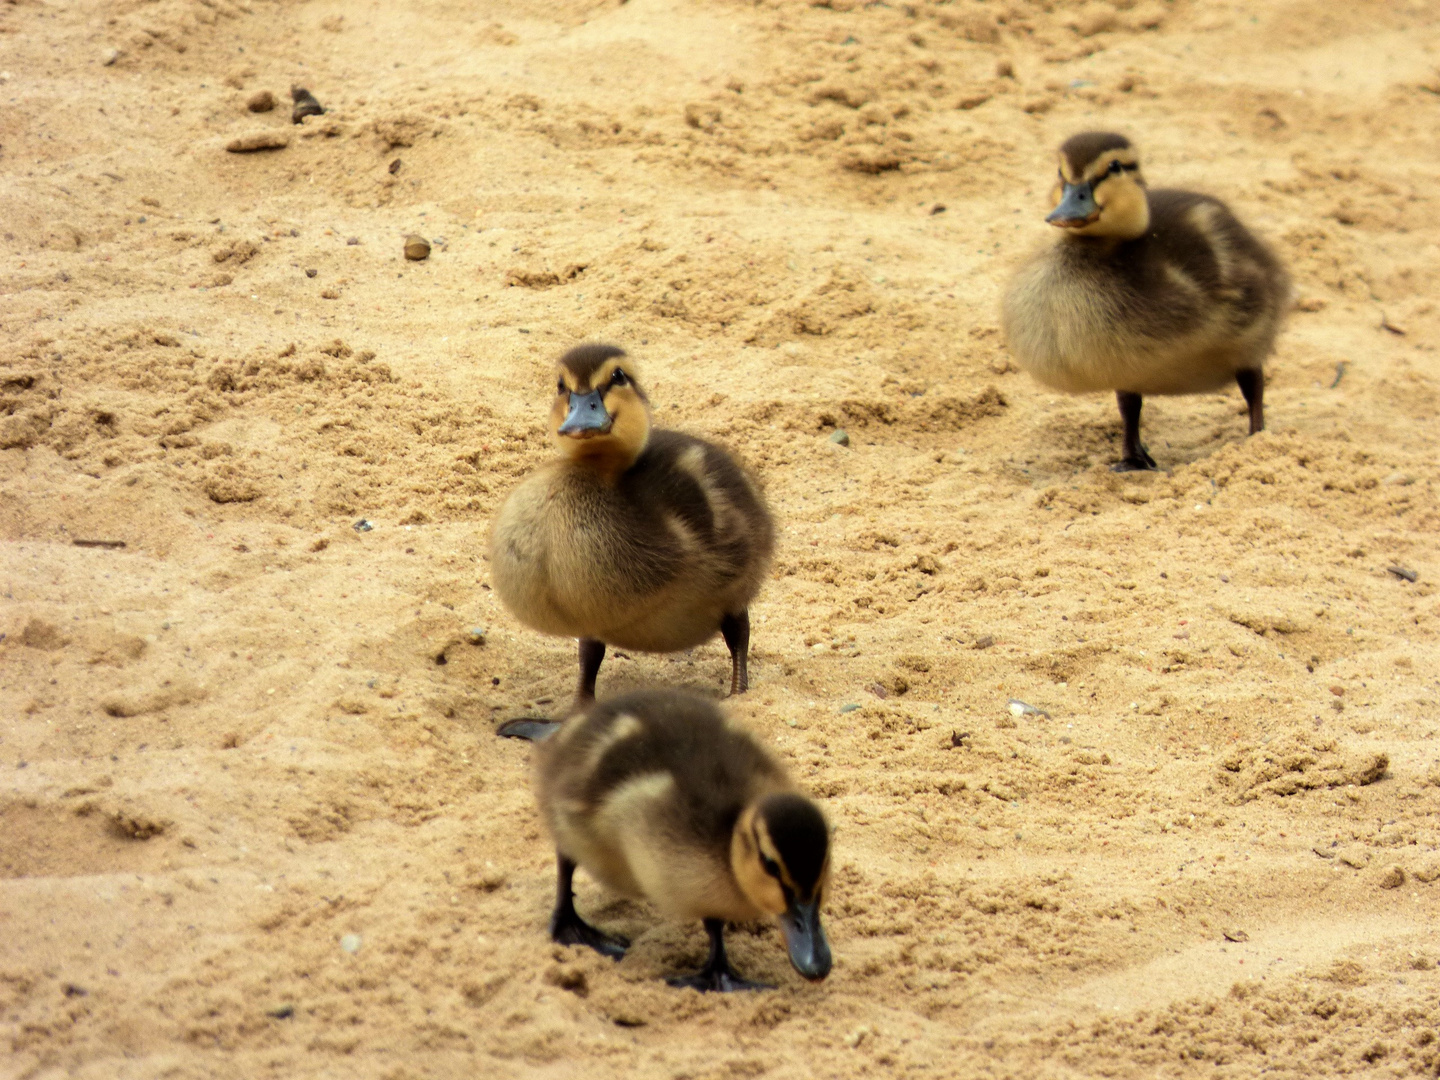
704,671
1177,431
660,948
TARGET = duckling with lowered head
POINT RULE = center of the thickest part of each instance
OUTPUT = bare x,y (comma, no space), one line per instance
637,537
1147,292
659,797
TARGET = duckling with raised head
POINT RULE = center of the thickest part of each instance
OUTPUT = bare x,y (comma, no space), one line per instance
1147,292
638,537
659,797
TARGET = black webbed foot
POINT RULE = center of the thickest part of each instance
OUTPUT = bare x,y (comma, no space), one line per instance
1141,463
566,925
576,931
717,975
530,728
720,982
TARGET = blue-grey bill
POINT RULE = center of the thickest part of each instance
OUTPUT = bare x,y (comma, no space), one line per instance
587,414
805,940
1077,204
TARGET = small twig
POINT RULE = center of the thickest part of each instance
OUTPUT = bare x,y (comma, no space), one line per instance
99,543
1400,572
1386,324
1339,373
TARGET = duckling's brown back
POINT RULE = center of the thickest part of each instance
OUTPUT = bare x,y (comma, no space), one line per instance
715,768
698,485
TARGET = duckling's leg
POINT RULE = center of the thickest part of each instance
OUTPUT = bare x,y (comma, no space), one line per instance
592,652
1252,385
1136,458
717,974
736,631
566,926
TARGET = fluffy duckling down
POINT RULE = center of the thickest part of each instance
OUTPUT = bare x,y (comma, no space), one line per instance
636,537
1145,292
659,797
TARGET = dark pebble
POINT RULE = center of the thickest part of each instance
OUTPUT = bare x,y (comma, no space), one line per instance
305,104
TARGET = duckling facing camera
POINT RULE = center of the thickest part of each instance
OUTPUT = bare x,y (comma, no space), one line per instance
1146,292
659,797
637,537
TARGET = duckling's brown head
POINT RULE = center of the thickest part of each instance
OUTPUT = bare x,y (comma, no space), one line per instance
1100,191
601,416
780,852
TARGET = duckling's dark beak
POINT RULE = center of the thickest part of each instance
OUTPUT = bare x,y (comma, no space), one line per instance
1077,207
805,939
587,416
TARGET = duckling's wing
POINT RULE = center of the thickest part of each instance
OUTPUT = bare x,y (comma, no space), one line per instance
706,500
1209,256
644,792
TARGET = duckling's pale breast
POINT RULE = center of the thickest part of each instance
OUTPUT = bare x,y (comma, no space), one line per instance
651,561
564,553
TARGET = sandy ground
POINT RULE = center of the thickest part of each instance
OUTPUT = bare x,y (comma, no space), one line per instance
253,820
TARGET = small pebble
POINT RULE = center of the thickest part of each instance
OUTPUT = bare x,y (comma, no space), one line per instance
258,140
261,101
350,943
957,738
311,273
305,104
849,708
475,635
416,248
352,241
110,56
362,526
1021,708
394,166
283,1012
1004,69
840,437
984,642
879,691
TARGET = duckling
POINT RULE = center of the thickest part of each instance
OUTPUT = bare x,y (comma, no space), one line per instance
637,537
1147,292
659,797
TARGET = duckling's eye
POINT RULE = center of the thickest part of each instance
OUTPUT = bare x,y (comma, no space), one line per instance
560,387
771,866
618,378
1115,167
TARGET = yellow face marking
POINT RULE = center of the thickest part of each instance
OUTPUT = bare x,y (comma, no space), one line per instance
615,450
